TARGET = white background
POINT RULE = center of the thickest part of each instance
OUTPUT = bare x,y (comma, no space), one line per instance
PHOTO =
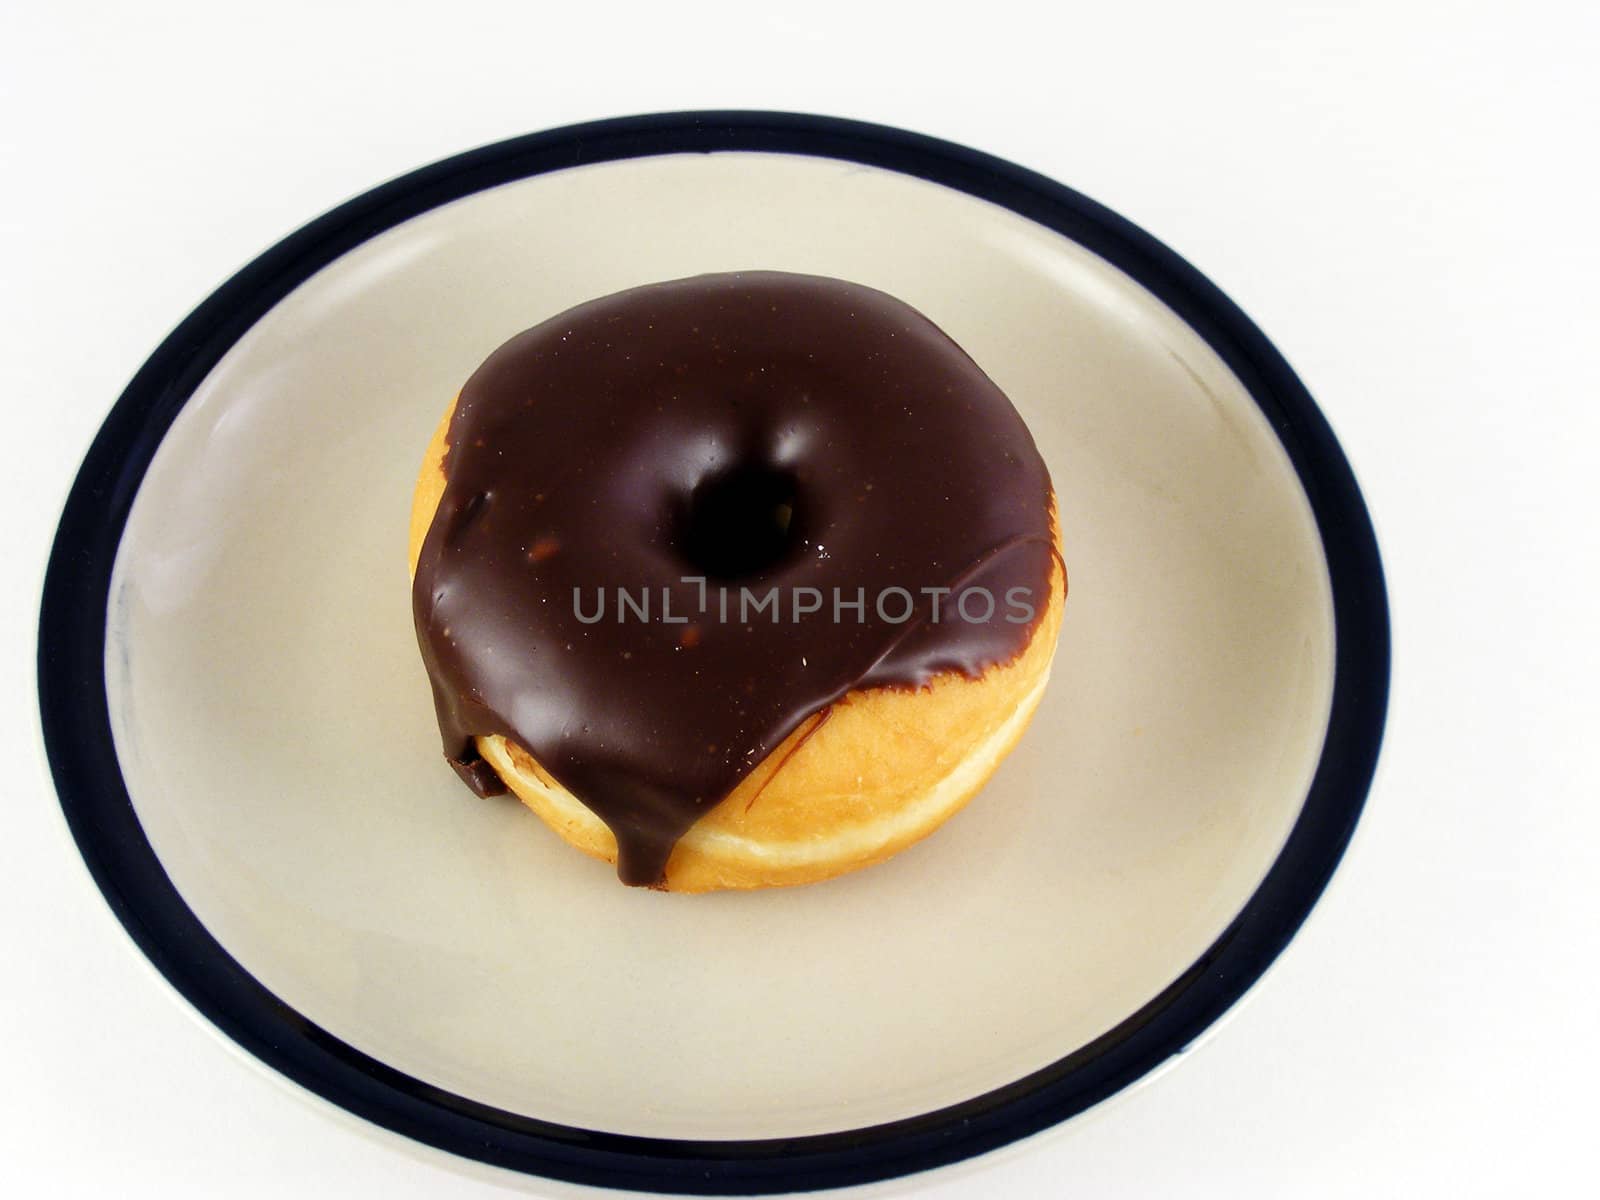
1403,195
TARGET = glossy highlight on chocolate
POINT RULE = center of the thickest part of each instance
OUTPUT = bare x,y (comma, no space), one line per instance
690,441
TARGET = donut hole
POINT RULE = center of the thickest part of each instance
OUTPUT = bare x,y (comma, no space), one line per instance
740,522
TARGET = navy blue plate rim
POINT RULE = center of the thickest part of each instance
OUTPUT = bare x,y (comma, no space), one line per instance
75,711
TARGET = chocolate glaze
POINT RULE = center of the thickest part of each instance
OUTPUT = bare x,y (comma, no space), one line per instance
760,429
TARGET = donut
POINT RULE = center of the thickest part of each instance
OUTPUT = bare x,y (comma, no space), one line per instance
737,581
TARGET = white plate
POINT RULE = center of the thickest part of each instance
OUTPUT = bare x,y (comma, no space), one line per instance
258,786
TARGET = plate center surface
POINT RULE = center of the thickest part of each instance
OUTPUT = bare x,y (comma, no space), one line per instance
277,737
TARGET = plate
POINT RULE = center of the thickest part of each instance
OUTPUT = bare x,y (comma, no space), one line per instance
242,738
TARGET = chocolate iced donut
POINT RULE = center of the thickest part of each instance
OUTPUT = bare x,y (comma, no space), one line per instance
738,580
